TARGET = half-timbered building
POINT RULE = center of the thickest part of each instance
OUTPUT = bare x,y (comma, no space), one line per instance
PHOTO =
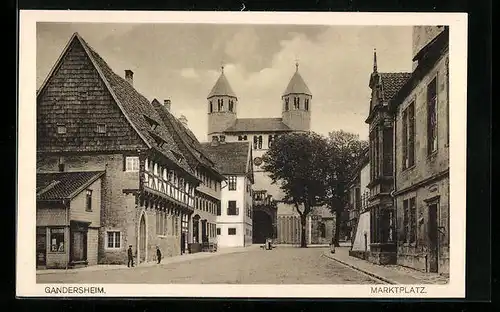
91,119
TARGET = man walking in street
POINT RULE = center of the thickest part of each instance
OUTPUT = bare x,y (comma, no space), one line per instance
158,254
130,257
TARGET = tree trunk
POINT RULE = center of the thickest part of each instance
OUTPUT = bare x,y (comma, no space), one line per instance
338,214
303,242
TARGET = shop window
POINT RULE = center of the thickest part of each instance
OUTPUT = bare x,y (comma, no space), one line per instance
57,243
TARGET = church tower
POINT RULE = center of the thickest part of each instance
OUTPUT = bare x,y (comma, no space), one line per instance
222,103
296,100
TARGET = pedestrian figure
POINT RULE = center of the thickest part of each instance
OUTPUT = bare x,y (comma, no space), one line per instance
158,254
130,255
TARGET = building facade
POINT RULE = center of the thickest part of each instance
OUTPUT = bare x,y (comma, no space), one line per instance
68,218
380,203
421,111
234,215
91,119
207,196
223,122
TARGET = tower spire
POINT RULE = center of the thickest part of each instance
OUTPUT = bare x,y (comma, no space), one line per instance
296,65
374,60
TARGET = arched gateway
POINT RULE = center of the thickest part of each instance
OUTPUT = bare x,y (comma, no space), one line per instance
264,223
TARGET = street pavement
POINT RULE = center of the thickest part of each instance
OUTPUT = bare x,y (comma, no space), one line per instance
282,265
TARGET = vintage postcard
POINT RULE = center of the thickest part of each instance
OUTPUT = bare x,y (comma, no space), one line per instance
240,154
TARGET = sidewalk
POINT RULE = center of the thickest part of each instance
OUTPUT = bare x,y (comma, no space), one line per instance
391,274
164,261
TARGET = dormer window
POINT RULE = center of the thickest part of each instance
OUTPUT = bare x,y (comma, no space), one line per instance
152,123
101,128
61,129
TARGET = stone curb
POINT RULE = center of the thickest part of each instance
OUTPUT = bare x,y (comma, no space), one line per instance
143,265
361,270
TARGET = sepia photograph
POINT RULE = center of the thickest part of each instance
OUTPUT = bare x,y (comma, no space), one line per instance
204,153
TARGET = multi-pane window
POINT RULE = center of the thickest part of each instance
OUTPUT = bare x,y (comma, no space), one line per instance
88,200
374,153
231,208
387,150
101,128
409,220
61,129
231,231
57,240
409,136
132,163
113,238
232,183
432,116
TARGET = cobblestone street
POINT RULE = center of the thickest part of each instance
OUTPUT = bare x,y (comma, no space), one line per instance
283,265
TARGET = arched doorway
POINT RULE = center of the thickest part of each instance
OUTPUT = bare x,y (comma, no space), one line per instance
142,239
262,227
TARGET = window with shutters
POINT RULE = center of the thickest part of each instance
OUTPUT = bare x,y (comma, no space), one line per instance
231,208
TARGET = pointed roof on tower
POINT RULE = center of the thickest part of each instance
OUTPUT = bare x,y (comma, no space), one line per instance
222,87
297,85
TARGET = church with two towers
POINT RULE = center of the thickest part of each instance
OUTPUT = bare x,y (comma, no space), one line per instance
272,218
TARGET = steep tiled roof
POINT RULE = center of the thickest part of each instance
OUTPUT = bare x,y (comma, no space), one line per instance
221,87
258,125
297,85
391,83
185,137
63,185
136,108
229,157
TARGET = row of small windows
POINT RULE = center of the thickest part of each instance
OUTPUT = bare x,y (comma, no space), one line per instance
206,205
220,105
296,103
100,128
257,141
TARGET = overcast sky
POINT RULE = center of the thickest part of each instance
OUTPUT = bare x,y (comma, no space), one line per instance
182,62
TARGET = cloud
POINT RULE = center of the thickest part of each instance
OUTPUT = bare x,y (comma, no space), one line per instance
189,73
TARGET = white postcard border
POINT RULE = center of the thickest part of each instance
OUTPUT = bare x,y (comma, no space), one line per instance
26,198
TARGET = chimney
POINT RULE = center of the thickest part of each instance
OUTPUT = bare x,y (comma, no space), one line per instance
166,104
215,141
184,121
129,76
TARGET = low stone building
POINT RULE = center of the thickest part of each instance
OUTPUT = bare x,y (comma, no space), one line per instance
68,218
421,110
